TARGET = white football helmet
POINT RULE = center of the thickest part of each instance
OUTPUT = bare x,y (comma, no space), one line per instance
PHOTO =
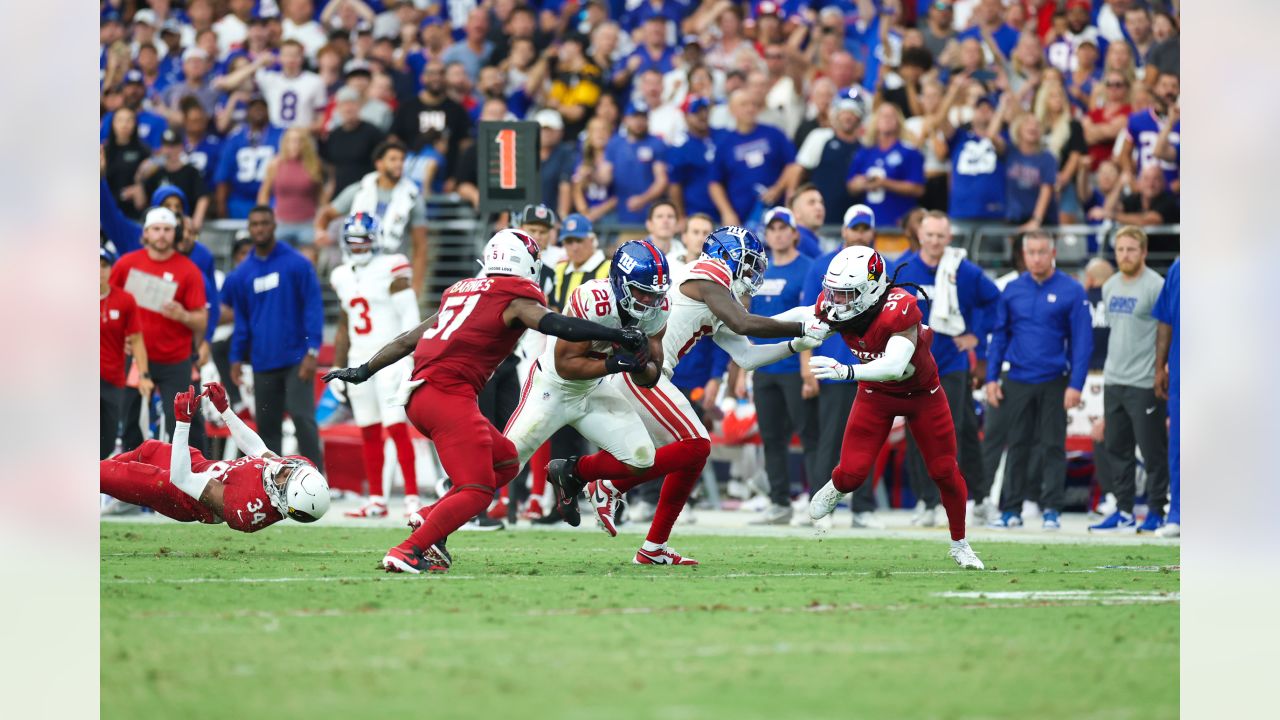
512,252
854,282
305,494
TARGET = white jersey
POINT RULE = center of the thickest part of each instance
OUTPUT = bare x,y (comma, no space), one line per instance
364,292
292,101
691,320
594,300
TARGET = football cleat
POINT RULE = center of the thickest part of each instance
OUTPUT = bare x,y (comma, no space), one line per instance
412,504
533,510
925,517
984,512
965,557
433,559
1170,530
867,521
662,556
1051,521
1006,521
608,503
1153,523
563,474
371,509
498,509
1118,520
775,515
825,500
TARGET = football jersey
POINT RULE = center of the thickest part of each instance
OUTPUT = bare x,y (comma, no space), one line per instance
469,340
364,292
245,504
690,319
594,300
899,312
292,100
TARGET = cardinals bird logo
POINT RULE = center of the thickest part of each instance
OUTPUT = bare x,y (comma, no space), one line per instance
875,267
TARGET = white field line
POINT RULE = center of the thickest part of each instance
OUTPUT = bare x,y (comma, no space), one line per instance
1103,596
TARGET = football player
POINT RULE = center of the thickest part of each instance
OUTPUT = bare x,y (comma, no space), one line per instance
454,353
897,376
707,299
250,493
376,303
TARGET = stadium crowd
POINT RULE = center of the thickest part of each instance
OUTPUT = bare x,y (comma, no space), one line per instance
917,121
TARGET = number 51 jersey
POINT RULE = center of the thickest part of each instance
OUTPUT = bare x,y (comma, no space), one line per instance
364,292
594,300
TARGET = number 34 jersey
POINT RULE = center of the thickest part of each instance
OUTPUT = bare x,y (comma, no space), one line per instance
364,292
594,300
245,504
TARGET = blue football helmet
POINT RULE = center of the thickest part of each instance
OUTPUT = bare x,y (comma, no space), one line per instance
360,237
742,251
640,277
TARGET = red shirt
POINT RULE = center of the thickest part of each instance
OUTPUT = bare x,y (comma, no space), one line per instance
469,339
119,321
899,312
167,341
1102,151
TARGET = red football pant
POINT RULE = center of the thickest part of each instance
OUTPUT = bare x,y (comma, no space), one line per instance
538,470
474,454
141,477
681,462
373,452
929,418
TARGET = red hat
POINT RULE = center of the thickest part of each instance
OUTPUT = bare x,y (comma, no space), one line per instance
1082,4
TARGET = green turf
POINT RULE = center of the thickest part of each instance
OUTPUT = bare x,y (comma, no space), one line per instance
561,625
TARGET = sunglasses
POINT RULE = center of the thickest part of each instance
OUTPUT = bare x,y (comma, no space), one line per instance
1117,85
941,6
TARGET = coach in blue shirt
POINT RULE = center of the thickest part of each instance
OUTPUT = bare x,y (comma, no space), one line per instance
1043,329
1168,386
279,326
976,297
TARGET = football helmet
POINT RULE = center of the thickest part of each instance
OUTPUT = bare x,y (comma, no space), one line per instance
512,252
304,496
360,238
744,254
640,277
855,281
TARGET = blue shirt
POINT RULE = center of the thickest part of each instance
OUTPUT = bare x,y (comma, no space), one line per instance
831,176
203,156
977,295
692,165
1006,37
243,163
782,290
664,64
277,302
704,361
1024,175
977,177
748,164
1167,311
673,11
415,168
1144,129
899,162
150,128
809,246
633,161
833,347
203,258
1044,331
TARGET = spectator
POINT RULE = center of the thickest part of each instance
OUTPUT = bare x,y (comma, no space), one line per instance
174,170
1080,78
827,153
1164,56
1043,330
1119,58
540,222
233,28
169,327
784,97
148,63
810,211
989,26
1025,68
391,197
1031,172
780,408
691,161
300,26
1104,122
425,166
662,223
1064,139
459,88
723,54
593,193
962,301
555,161
200,147
474,50
121,326
348,151
295,95
575,85
243,162
1168,382
827,411
922,133
583,259
653,53
359,79
753,163
1145,126
1137,25
641,156
696,229
275,296
1153,204
666,120
292,185
432,109
817,111
887,171
149,125
123,154
195,73
937,28
1132,412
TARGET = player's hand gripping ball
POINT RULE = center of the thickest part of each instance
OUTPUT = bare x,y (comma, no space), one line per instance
634,340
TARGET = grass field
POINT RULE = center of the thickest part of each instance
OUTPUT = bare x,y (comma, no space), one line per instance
201,622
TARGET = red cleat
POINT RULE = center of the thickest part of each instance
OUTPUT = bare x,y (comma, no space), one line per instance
498,510
371,509
434,559
662,556
534,510
607,502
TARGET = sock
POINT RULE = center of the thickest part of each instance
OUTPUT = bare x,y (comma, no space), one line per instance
373,454
959,543
675,493
446,516
147,485
669,458
399,433
538,471
954,493
651,546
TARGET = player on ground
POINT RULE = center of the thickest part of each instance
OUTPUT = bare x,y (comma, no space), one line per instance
455,352
250,493
708,299
896,377
376,303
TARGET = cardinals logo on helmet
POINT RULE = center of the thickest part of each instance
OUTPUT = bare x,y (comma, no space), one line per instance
530,244
875,267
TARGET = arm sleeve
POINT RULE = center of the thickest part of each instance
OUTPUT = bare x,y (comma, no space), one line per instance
406,305
1081,340
999,339
576,329
247,440
748,356
312,305
897,354
800,314
180,473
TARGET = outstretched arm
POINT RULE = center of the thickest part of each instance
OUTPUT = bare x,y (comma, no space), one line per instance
735,317
536,316
246,439
391,353
894,365
750,357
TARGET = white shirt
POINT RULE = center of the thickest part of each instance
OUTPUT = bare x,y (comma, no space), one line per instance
594,300
292,101
310,34
364,292
690,319
230,30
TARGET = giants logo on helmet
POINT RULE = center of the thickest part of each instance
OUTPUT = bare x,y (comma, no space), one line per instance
626,263
875,267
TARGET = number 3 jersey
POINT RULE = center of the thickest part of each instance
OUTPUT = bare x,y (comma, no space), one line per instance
899,312
594,300
364,292
470,339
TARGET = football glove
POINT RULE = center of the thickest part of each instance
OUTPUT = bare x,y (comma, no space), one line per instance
801,344
186,404
624,363
355,375
816,329
633,340
825,368
217,395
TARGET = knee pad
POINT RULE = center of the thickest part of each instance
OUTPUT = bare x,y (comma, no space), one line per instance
942,468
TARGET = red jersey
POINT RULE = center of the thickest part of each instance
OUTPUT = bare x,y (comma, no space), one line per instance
168,341
245,504
898,313
469,340
119,320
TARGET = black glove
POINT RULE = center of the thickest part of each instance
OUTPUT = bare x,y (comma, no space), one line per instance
355,375
624,363
633,339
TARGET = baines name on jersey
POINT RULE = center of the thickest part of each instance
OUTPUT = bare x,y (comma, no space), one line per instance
473,285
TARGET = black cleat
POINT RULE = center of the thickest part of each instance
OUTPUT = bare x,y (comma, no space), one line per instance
484,522
563,474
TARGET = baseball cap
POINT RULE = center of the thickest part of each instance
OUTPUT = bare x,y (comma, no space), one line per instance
780,213
988,99
1088,39
170,137
146,16
357,67
860,215
538,215
549,118
850,99
160,216
636,107
110,16
430,20
768,7
194,52
134,77
695,103
173,25
575,226
107,251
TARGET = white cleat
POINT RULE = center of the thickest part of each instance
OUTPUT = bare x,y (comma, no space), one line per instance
965,557
984,512
867,521
412,504
925,517
371,509
1169,530
825,500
